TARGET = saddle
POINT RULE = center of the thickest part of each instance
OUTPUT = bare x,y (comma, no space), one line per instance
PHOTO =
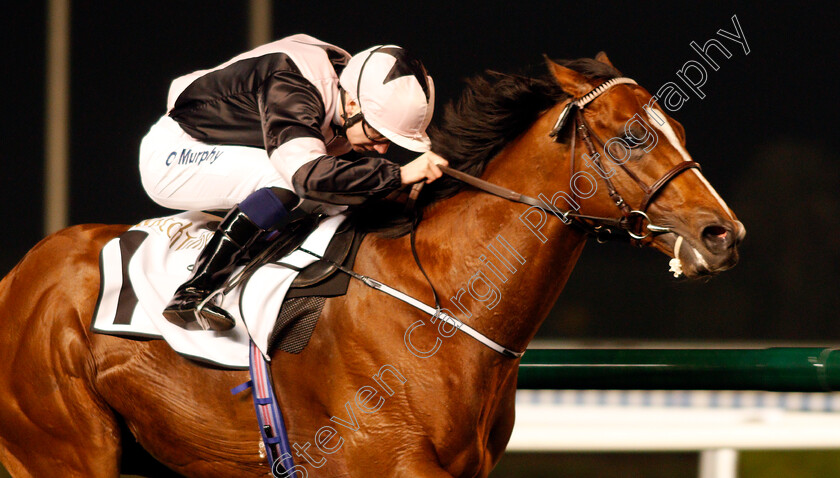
314,284
306,297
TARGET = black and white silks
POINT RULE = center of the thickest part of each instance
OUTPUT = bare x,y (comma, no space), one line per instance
283,97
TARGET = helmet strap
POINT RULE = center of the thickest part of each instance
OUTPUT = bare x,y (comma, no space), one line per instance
348,122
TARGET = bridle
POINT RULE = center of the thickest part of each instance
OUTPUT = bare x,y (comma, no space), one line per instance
632,223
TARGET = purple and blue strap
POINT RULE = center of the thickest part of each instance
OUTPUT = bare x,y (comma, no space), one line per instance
272,426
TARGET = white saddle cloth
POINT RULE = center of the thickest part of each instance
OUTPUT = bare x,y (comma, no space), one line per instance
157,254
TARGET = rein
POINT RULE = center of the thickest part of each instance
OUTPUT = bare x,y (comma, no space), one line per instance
631,225
604,224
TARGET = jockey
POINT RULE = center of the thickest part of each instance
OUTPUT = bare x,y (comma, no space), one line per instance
262,131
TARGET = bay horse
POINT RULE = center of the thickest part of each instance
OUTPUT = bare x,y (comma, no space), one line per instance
360,400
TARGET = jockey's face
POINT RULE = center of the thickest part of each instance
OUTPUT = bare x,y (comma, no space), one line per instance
362,136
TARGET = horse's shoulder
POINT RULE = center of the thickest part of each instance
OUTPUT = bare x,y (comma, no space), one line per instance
70,244
87,235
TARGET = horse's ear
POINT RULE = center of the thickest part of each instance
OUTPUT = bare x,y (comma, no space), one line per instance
569,80
602,57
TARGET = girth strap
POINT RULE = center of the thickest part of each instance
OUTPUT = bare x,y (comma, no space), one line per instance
269,416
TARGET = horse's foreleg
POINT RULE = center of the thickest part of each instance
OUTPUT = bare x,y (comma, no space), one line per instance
414,470
80,441
416,466
51,421
427,471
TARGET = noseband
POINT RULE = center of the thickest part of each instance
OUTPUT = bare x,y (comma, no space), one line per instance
632,223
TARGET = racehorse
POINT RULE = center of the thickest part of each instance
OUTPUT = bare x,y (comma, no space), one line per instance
381,389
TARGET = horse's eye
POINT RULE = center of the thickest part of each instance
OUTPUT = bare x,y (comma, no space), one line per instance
631,141
635,137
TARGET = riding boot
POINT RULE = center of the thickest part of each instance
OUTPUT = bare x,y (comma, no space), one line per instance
192,306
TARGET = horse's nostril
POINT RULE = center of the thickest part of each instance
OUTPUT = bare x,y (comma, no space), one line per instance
717,238
716,232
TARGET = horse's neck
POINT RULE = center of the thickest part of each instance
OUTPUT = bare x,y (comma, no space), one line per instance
481,244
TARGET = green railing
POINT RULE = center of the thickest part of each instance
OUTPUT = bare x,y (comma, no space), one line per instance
771,369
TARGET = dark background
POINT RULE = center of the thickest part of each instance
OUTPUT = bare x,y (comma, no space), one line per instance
764,133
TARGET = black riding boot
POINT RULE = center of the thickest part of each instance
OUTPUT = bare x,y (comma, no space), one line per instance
189,308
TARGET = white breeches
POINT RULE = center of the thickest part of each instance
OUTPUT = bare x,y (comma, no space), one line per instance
180,172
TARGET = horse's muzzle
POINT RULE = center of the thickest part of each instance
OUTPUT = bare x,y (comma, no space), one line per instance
708,246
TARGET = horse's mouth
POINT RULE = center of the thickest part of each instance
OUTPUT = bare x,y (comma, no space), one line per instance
692,260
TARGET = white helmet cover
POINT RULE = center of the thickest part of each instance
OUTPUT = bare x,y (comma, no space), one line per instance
395,93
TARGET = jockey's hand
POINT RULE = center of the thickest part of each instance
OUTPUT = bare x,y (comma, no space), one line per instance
424,167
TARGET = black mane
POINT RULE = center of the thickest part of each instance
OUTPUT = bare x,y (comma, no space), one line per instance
493,109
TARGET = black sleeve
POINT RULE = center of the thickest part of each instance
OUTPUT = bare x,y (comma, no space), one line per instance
291,108
339,181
